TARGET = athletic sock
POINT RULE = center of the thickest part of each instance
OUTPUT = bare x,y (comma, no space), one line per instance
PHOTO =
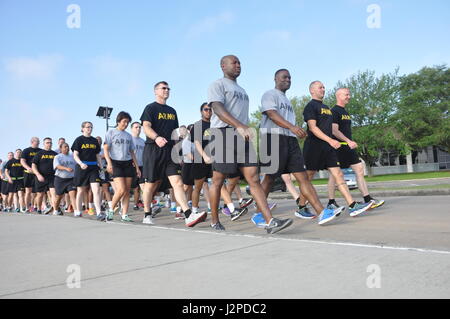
332,201
187,213
178,209
231,207
367,198
148,215
298,201
195,210
301,207
352,205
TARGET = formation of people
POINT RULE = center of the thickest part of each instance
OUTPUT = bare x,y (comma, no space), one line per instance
179,161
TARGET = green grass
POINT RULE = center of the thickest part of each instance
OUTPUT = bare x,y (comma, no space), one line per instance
395,177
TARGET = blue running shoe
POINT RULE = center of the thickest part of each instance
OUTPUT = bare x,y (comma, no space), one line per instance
328,215
304,213
258,220
360,208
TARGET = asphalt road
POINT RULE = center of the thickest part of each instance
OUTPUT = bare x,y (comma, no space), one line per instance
401,250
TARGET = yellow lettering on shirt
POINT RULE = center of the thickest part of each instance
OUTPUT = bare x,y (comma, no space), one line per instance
325,111
86,146
346,117
47,156
166,116
16,165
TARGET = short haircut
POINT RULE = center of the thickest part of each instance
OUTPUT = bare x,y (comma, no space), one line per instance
18,150
280,70
203,105
47,138
312,84
160,82
84,124
132,124
61,138
222,61
61,146
123,115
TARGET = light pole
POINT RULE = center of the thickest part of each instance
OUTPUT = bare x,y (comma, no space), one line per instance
105,112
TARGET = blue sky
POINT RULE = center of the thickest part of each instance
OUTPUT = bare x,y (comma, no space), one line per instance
52,77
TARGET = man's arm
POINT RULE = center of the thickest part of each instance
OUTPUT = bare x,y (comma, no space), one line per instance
225,116
280,121
312,124
25,165
342,137
151,134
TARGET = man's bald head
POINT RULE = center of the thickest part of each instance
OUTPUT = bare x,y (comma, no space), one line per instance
231,66
342,96
317,90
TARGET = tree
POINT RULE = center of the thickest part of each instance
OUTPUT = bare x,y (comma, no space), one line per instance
373,101
423,117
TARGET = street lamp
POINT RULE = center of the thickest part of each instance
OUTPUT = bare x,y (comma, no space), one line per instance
105,112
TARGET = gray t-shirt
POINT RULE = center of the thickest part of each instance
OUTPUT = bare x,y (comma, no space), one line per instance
66,161
233,97
187,148
276,100
120,145
139,145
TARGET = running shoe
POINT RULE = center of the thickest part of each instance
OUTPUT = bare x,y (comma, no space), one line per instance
218,226
110,215
270,205
135,207
101,217
173,210
156,210
126,218
258,220
47,210
245,202
23,210
77,214
238,212
17,210
328,214
70,209
58,213
39,212
226,211
377,203
180,215
304,213
276,225
91,211
360,208
148,220
333,206
194,219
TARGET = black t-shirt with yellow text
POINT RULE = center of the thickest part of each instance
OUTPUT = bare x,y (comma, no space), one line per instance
15,168
343,119
29,153
44,162
164,120
87,148
316,110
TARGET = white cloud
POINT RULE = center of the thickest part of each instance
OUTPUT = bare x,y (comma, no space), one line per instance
42,68
209,24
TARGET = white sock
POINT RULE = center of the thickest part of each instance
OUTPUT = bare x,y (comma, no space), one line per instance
179,209
110,204
231,207
91,205
195,210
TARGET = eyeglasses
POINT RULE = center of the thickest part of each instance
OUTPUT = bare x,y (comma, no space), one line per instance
207,110
165,88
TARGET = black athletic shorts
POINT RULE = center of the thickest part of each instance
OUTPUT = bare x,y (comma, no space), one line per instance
232,153
84,177
138,180
46,185
105,178
284,159
64,185
319,155
16,186
200,171
186,174
347,157
123,169
158,163
4,187
28,180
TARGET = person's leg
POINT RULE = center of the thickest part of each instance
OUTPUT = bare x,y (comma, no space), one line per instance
81,193
58,199
336,172
206,194
148,193
331,188
95,188
73,198
215,192
178,188
126,195
310,175
196,193
290,186
308,191
119,184
21,200
52,199
252,177
359,172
